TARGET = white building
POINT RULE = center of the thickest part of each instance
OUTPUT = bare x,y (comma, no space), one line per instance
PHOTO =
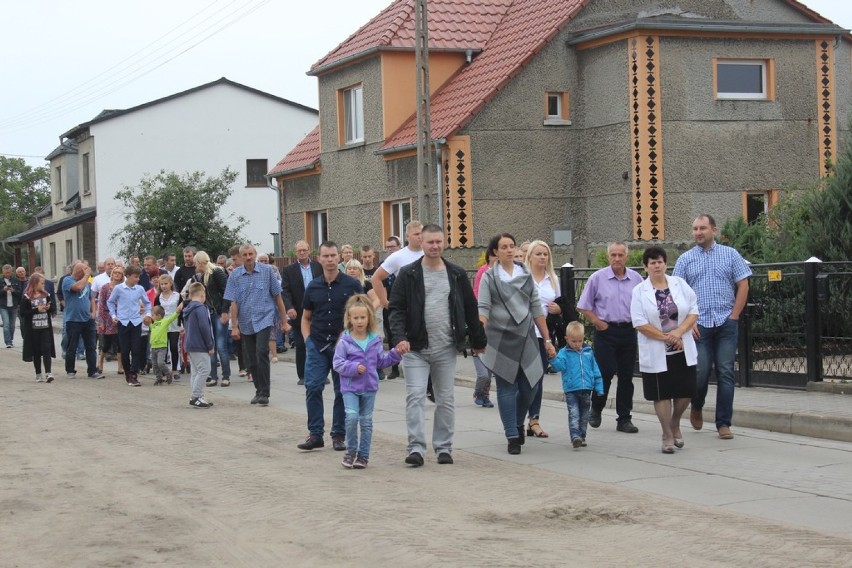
207,128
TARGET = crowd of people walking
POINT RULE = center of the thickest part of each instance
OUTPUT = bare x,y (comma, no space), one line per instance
338,312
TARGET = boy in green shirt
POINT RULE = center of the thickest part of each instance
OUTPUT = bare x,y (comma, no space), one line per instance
160,342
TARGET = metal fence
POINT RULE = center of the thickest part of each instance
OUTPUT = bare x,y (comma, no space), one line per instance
796,328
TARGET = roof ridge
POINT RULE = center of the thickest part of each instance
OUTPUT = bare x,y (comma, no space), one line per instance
330,55
396,24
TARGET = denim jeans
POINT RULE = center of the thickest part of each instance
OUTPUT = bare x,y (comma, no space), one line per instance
441,365
86,331
359,411
8,315
513,401
317,365
483,377
579,403
538,390
81,349
256,348
221,336
615,353
717,347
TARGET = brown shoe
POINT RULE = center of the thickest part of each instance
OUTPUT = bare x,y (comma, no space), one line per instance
696,418
725,433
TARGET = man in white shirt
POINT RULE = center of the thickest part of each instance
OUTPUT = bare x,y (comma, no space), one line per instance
103,277
385,274
392,264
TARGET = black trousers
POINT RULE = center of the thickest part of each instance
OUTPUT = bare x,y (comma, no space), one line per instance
133,348
615,353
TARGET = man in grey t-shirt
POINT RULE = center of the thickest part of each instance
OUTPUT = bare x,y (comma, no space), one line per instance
432,310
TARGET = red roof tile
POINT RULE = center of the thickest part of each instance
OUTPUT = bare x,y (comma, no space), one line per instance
453,25
303,157
524,31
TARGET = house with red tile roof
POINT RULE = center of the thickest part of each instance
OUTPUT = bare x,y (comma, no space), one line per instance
574,121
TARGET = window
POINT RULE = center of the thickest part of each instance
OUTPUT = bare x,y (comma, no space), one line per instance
744,79
556,108
395,216
69,251
352,105
756,203
57,185
316,227
53,264
87,188
255,172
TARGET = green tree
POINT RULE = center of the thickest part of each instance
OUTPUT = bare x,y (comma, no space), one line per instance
169,211
24,191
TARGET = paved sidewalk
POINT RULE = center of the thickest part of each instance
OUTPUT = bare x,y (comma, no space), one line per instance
805,413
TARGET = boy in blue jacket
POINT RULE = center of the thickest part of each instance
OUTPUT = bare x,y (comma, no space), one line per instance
199,343
580,376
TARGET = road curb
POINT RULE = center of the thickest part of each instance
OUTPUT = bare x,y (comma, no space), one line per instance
808,424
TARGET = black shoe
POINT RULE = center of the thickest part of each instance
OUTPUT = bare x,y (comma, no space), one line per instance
312,443
430,395
255,399
199,403
445,458
300,382
338,443
394,374
521,437
263,400
96,375
595,418
414,459
627,427
514,446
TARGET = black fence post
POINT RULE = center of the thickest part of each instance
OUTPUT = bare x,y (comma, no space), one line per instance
569,291
813,330
745,357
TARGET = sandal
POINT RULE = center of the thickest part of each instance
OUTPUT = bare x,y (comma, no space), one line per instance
226,382
534,429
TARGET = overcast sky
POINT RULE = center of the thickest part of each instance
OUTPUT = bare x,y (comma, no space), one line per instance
63,62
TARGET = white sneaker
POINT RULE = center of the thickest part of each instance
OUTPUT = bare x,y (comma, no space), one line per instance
39,378
49,378
71,375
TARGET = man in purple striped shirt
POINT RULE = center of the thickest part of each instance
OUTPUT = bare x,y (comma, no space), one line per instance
605,302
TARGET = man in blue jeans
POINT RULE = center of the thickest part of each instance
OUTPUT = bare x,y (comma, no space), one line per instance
719,276
322,322
80,320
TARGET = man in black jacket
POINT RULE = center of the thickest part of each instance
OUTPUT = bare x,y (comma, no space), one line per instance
10,295
432,312
294,279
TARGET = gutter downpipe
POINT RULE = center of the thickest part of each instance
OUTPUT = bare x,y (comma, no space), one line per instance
439,167
274,187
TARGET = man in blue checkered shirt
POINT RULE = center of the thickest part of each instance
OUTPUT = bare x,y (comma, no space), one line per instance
719,276
255,293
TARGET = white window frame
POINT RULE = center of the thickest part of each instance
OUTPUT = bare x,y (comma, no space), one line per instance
558,97
319,228
764,71
398,218
353,114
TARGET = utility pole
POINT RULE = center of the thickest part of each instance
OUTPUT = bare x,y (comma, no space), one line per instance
424,119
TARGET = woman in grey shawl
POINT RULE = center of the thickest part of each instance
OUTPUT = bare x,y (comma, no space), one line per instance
509,308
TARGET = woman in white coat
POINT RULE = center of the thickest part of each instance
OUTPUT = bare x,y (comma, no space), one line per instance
664,310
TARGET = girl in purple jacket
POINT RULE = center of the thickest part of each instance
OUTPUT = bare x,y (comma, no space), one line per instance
358,358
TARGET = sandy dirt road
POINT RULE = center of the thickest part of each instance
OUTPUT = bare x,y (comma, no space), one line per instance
93,473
